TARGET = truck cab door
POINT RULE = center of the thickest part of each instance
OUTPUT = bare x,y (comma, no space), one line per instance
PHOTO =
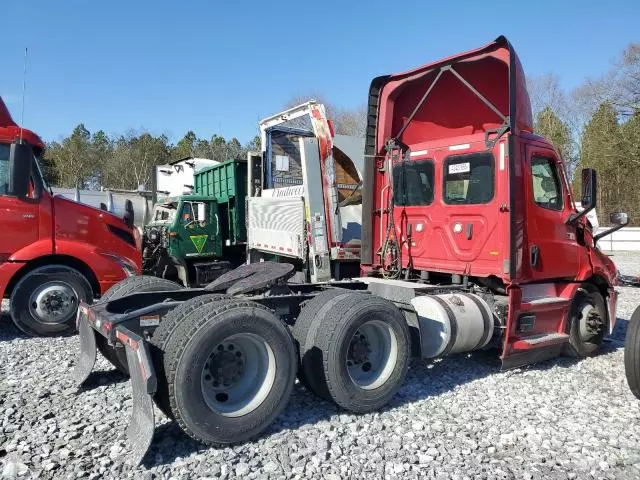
18,216
552,249
199,229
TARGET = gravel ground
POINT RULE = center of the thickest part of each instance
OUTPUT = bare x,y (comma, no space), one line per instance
455,418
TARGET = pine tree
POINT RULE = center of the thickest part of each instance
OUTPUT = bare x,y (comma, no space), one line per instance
630,203
549,125
601,149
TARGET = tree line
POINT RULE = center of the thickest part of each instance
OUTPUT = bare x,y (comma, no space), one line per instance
97,160
595,125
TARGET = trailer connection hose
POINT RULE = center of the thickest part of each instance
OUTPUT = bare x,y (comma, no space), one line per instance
391,246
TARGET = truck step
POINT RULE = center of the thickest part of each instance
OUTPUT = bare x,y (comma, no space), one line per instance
540,340
520,358
544,303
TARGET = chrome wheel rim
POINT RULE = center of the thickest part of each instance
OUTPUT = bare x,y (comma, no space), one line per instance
372,354
53,302
238,375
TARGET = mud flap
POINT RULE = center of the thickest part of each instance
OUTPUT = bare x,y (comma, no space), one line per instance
143,385
87,357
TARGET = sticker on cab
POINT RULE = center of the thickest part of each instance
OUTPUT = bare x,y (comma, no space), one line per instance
199,241
460,168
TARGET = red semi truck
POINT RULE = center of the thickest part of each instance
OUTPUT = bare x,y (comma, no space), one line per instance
470,240
54,253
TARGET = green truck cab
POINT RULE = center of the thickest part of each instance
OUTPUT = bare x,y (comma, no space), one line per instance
192,239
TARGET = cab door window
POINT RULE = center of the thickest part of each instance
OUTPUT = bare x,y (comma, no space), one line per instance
35,184
187,213
4,169
190,212
546,185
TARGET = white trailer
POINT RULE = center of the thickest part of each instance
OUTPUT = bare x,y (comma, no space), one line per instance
176,178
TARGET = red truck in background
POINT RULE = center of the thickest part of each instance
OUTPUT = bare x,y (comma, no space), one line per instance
54,252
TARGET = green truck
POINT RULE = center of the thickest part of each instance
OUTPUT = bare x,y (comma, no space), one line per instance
192,239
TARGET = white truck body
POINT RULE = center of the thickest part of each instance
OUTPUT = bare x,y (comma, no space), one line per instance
301,186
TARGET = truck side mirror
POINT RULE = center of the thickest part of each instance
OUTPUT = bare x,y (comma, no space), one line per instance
129,215
619,218
20,164
589,188
202,212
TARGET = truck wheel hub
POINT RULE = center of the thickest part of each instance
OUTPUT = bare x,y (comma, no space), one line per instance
53,302
359,348
372,354
238,375
225,366
590,322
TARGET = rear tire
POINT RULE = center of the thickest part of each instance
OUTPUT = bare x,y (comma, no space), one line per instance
45,301
168,326
361,351
117,355
310,314
250,392
587,322
632,353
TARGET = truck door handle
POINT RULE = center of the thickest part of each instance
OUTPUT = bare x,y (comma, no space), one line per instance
469,231
535,255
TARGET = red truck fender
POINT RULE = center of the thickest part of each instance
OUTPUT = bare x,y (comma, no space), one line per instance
106,266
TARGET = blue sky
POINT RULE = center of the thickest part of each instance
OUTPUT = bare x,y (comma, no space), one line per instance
219,66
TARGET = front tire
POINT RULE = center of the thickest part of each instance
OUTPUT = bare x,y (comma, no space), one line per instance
230,369
632,353
587,322
45,301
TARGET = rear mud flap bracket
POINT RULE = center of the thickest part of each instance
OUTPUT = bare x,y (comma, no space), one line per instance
143,386
87,358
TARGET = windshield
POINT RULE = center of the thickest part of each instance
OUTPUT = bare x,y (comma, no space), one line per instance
165,213
45,183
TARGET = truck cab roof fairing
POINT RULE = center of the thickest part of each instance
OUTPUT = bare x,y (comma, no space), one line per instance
10,131
452,109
